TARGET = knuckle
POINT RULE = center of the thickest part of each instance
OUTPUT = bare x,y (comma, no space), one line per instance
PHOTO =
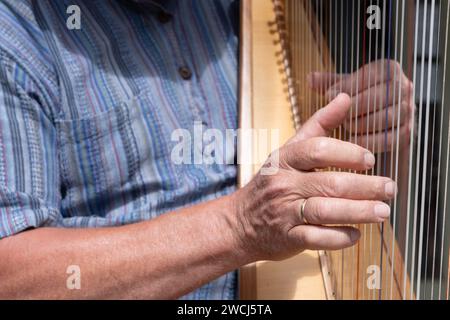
295,149
406,88
403,111
409,86
271,217
411,109
378,65
271,207
394,67
313,212
318,149
334,185
404,107
408,131
276,187
292,154
286,153
320,213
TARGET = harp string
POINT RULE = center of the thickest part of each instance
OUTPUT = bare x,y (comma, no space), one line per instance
389,166
410,171
366,59
358,24
375,169
425,169
436,213
344,67
418,154
390,246
448,275
401,31
384,153
341,131
443,98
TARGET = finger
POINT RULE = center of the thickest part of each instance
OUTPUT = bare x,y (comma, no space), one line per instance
377,98
320,211
323,152
377,121
325,120
385,141
369,75
322,81
323,238
346,185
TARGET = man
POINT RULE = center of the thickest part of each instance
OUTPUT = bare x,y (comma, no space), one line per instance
86,119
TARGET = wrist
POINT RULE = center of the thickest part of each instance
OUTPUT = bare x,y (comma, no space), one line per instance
237,226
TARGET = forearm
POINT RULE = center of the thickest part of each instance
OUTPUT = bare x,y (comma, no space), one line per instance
162,258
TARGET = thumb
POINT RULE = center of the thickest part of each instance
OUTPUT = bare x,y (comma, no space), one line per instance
325,120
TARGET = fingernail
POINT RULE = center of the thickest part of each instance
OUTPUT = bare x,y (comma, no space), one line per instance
390,189
369,159
382,211
354,235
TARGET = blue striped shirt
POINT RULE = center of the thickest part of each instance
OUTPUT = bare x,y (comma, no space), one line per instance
87,115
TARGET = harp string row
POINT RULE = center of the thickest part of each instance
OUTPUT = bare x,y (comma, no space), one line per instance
409,253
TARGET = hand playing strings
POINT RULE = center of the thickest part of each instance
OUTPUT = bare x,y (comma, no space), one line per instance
382,103
299,208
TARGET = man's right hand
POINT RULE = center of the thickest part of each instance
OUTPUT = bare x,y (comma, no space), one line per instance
268,216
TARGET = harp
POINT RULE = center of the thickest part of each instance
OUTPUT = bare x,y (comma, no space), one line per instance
282,41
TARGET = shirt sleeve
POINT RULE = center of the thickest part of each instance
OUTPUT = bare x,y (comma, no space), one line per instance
29,170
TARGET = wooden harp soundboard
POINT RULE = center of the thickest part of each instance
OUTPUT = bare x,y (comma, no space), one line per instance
282,41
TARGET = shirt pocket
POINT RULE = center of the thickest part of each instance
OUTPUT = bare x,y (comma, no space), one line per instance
110,159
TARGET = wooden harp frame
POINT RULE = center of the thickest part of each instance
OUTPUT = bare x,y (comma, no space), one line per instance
263,280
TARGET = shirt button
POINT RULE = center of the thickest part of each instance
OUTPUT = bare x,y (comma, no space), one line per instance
164,17
185,73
